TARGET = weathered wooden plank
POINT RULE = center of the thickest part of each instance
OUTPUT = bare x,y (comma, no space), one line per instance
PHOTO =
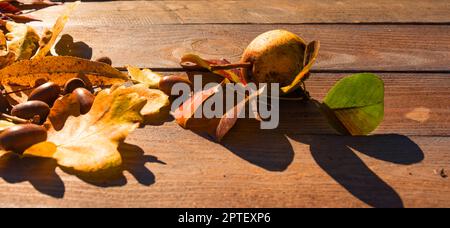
299,164
343,47
188,171
252,11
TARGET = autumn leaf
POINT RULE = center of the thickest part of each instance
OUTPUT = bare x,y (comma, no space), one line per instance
311,53
3,44
229,119
6,7
22,40
156,99
186,110
69,104
88,143
60,69
6,57
21,18
233,75
50,36
11,12
144,76
38,2
62,109
216,127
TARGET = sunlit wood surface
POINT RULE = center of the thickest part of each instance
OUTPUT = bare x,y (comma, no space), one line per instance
303,163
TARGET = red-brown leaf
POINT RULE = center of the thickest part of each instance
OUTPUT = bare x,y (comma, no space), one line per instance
188,108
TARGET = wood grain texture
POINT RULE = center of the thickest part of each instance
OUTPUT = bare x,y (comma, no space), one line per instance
253,11
343,47
301,163
247,171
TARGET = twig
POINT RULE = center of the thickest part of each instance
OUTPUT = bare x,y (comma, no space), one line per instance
14,118
19,90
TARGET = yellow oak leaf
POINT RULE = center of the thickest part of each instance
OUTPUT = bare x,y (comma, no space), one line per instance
22,39
144,76
6,57
88,143
156,99
50,35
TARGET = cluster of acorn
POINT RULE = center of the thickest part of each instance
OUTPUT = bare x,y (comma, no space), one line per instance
32,113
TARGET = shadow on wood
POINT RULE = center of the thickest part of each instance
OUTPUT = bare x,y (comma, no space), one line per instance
335,156
133,161
271,150
268,149
40,172
158,119
66,47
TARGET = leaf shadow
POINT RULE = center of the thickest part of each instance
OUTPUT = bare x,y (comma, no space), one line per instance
133,161
335,156
246,140
67,47
303,122
39,172
268,149
158,119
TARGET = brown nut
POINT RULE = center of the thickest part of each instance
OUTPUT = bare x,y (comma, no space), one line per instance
72,84
29,109
47,92
85,98
166,83
20,137
104,59
40,81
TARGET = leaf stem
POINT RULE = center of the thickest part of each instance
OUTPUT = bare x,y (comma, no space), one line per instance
193,67
190,67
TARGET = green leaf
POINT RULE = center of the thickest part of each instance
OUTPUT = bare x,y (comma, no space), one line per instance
355,105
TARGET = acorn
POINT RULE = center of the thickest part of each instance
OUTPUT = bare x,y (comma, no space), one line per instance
47,92
73,84
20,137
166,83
85,98
28,110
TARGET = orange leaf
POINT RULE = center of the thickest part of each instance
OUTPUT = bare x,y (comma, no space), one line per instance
183,113
234,75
